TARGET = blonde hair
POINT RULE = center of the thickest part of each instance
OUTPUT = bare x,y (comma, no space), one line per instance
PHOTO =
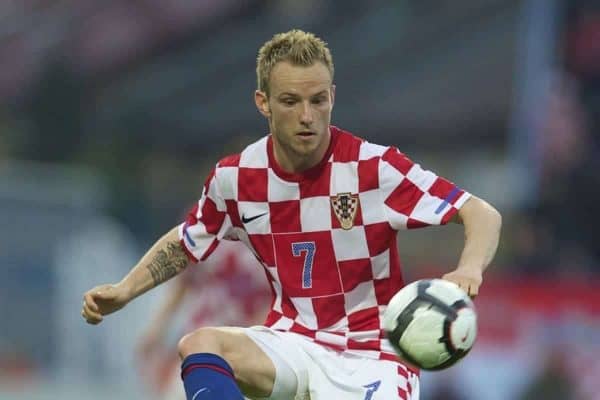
295,46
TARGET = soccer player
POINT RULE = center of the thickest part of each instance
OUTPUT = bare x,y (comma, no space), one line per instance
321,209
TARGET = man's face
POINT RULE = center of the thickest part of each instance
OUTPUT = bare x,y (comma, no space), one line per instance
299,108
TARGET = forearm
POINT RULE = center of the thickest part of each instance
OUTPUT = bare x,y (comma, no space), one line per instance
482,233
165,259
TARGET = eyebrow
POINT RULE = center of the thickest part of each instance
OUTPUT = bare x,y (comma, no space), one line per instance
322,92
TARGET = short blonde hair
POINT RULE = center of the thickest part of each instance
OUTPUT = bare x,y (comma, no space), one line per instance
295,46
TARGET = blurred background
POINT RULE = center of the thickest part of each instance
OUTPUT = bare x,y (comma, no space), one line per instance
112,112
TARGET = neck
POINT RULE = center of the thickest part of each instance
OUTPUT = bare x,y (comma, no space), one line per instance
292,162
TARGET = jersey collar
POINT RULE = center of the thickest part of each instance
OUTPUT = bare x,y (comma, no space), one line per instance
310,173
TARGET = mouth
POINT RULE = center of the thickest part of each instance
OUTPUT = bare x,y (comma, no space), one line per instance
306,134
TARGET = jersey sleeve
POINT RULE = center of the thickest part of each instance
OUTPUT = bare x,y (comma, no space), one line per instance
414,197
206,223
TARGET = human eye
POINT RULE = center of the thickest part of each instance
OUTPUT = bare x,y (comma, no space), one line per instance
319,100
288,102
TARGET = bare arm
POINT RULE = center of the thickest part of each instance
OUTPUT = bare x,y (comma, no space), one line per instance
482,224
165,259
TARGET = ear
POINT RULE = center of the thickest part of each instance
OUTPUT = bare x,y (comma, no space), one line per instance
332,95
262,103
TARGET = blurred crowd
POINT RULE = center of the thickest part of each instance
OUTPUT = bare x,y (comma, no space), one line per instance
556,233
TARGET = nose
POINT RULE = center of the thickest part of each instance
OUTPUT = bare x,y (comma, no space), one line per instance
306,117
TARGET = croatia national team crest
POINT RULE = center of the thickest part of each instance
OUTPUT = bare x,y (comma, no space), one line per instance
344,206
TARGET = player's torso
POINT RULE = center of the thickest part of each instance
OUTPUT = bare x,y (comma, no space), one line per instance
323,239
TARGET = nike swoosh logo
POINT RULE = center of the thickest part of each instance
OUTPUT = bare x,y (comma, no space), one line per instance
198,392
246,220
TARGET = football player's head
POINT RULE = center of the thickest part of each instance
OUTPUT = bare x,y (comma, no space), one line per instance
296,94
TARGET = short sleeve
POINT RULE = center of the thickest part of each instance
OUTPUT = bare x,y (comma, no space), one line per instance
414,197
206,223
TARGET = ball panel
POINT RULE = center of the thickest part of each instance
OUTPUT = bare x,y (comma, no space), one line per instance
397,304
463,330
421,338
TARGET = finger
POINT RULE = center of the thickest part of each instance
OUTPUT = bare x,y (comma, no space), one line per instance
88,319
91,320
88,311
473,291
467,289
89,300
90,316
458,283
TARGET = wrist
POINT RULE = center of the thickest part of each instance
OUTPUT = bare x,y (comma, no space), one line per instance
126,289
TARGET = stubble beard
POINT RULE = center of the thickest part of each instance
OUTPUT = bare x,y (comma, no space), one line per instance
302,154
299,150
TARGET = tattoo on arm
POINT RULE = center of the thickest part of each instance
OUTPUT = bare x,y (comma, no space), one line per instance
167,263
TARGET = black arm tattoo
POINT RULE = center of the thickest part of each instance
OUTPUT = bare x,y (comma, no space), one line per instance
167,263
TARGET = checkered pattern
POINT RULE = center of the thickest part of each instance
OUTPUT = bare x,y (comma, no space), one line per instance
329,283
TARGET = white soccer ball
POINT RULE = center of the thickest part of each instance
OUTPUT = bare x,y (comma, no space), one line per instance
431,323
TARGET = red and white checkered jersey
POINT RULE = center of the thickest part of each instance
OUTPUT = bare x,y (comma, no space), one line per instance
326,237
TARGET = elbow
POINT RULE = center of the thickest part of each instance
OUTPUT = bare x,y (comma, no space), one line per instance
495,218
481,212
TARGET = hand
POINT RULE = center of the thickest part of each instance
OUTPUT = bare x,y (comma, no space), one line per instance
103,300
467,279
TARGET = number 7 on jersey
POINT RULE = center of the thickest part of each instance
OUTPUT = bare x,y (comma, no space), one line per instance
308,248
